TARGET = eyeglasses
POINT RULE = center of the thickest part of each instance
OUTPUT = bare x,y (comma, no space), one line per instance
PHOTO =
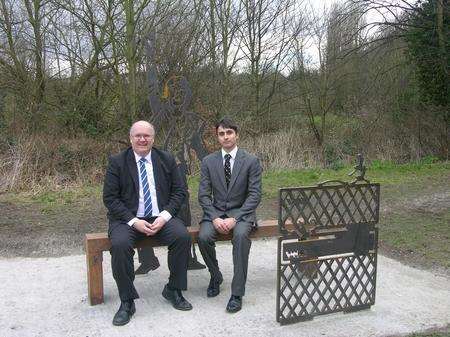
146,137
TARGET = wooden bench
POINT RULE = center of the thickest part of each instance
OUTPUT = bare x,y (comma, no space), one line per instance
96,243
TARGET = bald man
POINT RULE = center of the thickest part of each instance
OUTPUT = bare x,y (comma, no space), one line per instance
143,192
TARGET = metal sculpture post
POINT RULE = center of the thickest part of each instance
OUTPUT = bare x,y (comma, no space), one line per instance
329,262
171,108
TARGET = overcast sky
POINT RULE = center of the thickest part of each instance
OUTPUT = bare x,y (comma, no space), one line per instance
322,5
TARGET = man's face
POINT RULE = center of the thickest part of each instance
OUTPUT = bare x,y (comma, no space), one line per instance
227,138
142,137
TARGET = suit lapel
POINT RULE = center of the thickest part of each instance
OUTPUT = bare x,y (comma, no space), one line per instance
220,170
132,167
238,161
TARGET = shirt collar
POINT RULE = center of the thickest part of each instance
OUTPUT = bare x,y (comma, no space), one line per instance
232,153
148,157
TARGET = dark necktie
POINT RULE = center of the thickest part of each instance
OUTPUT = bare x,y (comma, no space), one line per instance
145,188
227,168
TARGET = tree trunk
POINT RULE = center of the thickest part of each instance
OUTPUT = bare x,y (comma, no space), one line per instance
34,17
130,53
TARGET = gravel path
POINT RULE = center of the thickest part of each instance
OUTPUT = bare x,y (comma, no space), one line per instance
48,297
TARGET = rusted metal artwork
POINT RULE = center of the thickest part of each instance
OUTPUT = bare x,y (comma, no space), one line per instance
327,254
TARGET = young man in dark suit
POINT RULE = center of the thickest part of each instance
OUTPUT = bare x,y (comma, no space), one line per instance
143,193
229,192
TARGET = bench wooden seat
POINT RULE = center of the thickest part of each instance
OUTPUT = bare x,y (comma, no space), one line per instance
96,243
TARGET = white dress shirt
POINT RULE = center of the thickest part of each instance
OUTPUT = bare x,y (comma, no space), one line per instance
232,153
152,187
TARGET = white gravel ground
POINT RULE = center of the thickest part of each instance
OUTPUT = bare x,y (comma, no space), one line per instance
48,297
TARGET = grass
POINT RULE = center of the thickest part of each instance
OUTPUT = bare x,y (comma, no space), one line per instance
444,333
52,202
335,121
385,173
426,238
417,233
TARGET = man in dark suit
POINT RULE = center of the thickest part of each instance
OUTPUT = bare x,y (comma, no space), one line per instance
229,192
143,193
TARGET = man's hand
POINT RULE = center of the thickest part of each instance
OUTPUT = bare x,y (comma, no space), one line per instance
220,226
229,223
143,227
157,225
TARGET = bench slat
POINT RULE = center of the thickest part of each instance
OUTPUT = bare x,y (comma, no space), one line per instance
100,241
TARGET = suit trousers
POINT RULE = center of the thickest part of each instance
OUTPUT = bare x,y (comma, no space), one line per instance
241,249
123,238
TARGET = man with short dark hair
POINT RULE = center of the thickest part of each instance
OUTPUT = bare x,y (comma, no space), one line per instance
229,192
143,193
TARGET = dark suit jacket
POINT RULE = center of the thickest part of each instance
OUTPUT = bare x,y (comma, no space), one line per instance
121,185
243,194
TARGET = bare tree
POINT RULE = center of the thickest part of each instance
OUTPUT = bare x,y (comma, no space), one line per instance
266,45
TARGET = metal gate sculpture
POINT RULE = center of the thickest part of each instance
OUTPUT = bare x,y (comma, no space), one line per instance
327,255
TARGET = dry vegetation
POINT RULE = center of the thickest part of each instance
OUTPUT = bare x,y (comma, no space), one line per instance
75,74
53,162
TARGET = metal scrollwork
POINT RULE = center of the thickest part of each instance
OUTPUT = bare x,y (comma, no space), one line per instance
327,255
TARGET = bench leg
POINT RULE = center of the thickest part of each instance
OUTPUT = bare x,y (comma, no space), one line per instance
94,261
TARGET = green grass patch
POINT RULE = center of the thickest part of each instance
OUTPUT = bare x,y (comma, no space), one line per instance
53,201
385,173
424,234
335,121
431,334
68,196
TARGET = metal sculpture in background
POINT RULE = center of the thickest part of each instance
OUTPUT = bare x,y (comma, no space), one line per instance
328,262
184,127
170,110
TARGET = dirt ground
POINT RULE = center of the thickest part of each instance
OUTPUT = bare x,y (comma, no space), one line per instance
32,229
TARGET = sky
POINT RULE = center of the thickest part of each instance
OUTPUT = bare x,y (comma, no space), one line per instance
319,6
370,17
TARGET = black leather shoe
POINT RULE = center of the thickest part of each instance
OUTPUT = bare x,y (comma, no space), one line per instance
214,286
234,304
145,267
142,269
125,312
176,298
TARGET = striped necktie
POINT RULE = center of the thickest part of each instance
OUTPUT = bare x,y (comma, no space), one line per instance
145,188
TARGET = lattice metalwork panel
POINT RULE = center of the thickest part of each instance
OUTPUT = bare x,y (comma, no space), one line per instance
323,285
331,206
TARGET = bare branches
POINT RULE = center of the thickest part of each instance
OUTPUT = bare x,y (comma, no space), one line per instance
82,63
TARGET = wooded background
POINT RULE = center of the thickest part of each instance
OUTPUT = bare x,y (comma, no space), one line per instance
309,86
